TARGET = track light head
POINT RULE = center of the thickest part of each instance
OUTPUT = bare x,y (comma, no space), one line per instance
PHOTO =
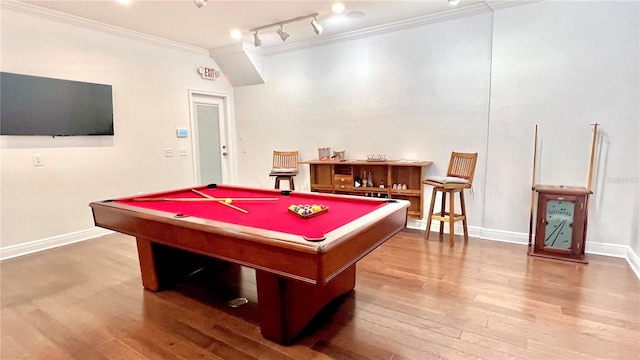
200,3
317,28
256,40
282,33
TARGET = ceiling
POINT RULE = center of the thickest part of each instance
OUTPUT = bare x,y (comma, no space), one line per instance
209,27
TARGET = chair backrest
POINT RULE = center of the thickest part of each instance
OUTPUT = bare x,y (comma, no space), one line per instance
463,165
285,160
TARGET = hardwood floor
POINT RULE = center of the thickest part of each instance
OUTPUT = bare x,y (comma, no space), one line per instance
414,299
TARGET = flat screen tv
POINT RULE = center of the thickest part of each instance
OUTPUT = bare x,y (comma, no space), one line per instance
33,105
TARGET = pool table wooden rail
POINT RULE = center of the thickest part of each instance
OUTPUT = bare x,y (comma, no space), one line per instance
282,254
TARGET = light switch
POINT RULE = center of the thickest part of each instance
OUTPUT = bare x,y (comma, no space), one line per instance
38,160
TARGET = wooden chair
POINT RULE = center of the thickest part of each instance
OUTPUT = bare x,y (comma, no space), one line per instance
462,166
285,167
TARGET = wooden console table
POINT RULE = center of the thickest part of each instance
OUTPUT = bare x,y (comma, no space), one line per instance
338,177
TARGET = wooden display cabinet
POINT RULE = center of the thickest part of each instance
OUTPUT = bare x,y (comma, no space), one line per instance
338,177
561,228
321,177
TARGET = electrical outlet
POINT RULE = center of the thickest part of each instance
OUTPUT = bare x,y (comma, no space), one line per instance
168,152
38,160
183,152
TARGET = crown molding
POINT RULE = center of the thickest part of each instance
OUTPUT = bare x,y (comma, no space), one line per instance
33,10
235,48
385,29
503,4
485,7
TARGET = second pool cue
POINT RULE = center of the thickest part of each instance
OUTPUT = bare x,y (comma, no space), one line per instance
533,185
221,201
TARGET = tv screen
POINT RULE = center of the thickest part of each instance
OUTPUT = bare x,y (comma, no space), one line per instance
33,105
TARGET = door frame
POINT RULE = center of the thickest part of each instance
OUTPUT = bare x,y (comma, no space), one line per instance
227,131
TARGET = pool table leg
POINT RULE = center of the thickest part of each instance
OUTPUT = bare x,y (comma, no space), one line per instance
163,266
286,306
147,264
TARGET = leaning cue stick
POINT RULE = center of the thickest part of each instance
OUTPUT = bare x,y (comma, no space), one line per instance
593,155
586,209
533,185
220,202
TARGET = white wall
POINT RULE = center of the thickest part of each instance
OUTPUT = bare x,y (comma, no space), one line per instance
414,94
565,65
424,92
150,95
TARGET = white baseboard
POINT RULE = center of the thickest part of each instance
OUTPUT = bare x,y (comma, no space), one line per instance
634,261
595,248
485,234
619,251
607,249
503,236
12,251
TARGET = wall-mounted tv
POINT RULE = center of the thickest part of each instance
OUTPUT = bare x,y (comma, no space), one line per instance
33,105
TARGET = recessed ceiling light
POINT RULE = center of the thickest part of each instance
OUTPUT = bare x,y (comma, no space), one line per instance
200,3
453,2
236,34
125,2
355,14
337,8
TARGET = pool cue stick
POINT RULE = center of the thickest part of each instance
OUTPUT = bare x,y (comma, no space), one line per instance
173,199
593,155
533,184
586,209
220,201
252,199
201,199
591,165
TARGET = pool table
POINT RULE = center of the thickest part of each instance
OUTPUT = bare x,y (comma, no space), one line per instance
301,263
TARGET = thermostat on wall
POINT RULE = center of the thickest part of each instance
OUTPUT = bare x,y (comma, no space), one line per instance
182,133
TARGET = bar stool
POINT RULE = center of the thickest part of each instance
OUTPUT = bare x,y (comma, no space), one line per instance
462,167
285,167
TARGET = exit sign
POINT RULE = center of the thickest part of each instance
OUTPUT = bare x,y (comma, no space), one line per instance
208,73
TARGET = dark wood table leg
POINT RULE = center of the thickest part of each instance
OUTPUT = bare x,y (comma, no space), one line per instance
286,306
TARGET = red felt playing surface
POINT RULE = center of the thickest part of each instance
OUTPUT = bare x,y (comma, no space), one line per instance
269,215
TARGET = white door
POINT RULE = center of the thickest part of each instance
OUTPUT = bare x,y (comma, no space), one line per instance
209,128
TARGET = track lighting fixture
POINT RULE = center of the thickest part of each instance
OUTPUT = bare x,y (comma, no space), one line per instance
256,40
282,33
317,28
200,3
